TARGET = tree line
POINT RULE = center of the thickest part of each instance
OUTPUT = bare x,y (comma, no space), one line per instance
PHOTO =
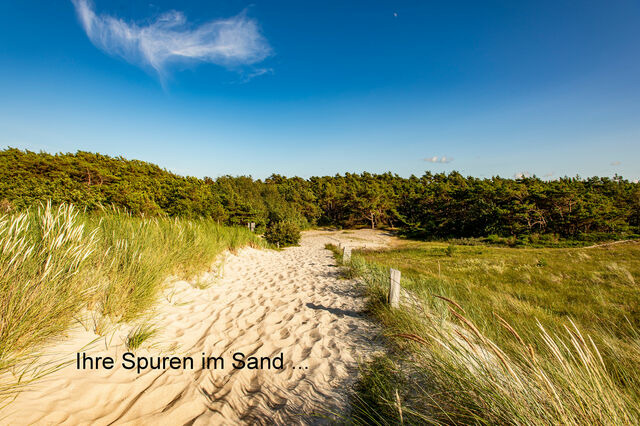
433,205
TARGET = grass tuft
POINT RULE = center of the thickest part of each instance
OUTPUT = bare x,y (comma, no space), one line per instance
138,335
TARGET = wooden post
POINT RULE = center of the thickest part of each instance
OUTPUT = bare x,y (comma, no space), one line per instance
278,245
253,226
346,255
394,288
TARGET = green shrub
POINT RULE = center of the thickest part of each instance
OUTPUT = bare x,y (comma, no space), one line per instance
283,233
494,239
450,250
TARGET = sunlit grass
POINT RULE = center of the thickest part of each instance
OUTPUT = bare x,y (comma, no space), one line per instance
597,287
527,336
138,335
56,262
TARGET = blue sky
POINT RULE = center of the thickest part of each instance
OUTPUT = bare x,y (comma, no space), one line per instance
207,88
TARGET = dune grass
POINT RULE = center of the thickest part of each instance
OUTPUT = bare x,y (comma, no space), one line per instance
138,335
504,336
56,262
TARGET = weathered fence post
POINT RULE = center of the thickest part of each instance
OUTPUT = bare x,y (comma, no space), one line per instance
278,244
253,226
346,254
394,288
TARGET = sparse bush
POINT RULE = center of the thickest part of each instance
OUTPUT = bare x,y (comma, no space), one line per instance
283,233
494,239
450,250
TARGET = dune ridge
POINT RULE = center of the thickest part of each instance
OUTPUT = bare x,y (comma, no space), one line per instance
266,303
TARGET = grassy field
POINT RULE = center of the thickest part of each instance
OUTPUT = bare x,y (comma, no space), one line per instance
56,263
504,335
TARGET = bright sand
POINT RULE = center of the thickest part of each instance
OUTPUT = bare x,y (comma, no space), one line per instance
267,303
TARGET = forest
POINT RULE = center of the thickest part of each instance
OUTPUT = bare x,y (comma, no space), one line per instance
431,206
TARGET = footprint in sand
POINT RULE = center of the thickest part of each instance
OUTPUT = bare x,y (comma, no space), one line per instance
259,307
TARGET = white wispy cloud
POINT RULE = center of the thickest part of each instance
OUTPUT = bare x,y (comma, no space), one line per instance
436,159
255,73
230,42
616,163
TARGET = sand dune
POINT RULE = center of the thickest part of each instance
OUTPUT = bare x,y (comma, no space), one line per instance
265,304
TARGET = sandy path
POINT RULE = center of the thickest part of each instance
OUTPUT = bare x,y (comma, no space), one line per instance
267,303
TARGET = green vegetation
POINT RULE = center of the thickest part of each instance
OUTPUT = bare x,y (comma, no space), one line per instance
504,336
57,262
525,211
492,334
282,234
138,335
90,181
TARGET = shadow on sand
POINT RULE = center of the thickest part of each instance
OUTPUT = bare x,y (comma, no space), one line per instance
336,311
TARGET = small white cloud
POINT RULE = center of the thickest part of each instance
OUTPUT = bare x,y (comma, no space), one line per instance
548,174
395,14
170,38
616,163
522,175
257,73
437,159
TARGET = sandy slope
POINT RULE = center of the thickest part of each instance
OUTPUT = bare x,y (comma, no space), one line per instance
267,302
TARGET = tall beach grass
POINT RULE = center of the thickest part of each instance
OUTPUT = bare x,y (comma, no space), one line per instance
56,262
461,362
